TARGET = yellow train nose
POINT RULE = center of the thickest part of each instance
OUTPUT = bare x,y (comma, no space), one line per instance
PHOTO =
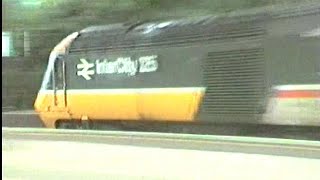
41,103
37,104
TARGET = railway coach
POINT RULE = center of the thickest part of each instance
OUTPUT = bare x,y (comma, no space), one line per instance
261,67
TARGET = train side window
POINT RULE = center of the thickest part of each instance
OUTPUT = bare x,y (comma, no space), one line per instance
58,71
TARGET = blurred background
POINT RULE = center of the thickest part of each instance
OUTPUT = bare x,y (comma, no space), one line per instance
31,28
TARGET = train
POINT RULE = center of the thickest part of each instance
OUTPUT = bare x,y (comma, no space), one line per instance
260,67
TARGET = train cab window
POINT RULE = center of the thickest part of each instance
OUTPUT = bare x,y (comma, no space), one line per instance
58,71
48,79
54,76
47,83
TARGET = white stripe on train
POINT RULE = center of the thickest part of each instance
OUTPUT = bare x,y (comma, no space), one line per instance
128,91
168,90
298,87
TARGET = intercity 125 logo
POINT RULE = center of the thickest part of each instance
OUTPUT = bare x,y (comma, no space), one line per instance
122,65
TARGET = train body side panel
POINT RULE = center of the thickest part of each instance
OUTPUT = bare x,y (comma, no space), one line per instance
101,105
131,105
177,105
171,90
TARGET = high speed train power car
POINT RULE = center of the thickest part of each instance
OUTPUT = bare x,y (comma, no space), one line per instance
261,67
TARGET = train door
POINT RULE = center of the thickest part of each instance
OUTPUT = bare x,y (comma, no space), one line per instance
59,84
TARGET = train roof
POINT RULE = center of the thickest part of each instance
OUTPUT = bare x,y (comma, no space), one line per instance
148,32
244,15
